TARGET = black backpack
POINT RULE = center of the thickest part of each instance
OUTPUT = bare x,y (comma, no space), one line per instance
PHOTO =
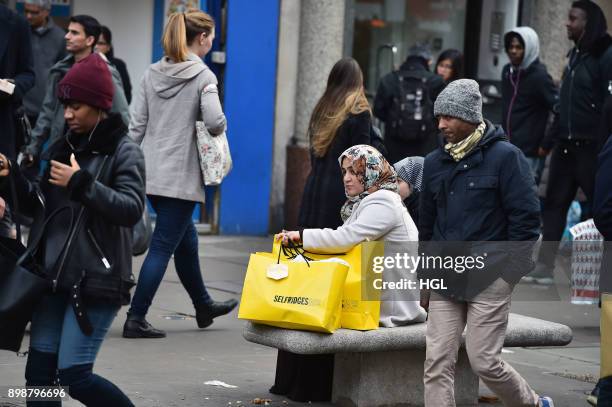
411,115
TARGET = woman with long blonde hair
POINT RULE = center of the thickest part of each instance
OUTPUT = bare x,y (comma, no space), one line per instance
174,93
342,118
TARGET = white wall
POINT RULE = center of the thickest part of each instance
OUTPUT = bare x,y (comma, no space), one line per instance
131,23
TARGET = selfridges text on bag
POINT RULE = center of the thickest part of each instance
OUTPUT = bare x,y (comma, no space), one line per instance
214,153
303,295
360,305
411,117
587,253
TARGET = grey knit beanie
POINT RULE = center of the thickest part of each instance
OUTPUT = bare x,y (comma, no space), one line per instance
460,99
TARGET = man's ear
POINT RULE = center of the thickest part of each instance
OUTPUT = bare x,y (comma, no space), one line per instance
89,41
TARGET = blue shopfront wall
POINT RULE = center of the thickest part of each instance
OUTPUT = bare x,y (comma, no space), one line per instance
249,99
250,89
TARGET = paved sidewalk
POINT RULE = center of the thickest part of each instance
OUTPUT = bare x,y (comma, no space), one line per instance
172,371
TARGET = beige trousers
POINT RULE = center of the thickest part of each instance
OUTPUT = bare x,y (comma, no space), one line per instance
485,319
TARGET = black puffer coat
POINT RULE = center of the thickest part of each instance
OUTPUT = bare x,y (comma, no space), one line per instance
587,81
602,212
15,63
99,257
485,203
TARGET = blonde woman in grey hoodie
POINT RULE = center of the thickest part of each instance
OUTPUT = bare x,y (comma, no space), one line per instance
174,93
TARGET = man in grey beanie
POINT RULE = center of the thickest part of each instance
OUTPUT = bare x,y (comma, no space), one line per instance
476,188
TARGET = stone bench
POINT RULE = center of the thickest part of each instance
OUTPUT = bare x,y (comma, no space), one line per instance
384,367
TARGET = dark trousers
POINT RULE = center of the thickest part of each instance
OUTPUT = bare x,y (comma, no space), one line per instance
572,165
304,378
605,392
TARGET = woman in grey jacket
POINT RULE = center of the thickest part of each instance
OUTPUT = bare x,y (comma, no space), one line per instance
174,92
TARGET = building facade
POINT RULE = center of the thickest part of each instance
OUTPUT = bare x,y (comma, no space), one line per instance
272,58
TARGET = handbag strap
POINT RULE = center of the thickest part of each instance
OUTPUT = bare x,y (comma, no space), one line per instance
33,245
76,226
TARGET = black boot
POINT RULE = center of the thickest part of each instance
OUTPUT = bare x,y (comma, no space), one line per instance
91,389
205,313
138,327
41,370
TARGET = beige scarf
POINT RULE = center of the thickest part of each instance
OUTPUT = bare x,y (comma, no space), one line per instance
462,148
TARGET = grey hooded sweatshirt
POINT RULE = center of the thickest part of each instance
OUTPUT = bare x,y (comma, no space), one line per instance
532,45
169,100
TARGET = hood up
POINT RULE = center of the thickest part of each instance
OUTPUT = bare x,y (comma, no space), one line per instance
169,78
596,27
532,44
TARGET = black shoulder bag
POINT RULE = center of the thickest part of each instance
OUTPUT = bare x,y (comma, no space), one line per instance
23,282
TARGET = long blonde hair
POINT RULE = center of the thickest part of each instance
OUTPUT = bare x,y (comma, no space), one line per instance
181,30
344,95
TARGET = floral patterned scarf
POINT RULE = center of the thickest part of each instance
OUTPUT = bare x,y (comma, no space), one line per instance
372,170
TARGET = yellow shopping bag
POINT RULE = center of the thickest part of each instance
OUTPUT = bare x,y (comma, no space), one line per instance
606,335
306,296
360,302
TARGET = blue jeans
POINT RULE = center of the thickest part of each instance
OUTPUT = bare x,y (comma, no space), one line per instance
174,234
59,351
55,330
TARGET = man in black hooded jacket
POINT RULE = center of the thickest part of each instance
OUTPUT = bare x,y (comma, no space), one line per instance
602,216
587,80
528,95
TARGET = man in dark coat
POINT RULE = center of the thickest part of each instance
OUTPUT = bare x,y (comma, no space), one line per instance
48,48
605,127
420,87
602,216
15,66
587,80
528,95
479,199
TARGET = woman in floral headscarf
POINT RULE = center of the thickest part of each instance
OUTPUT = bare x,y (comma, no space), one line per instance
373,211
